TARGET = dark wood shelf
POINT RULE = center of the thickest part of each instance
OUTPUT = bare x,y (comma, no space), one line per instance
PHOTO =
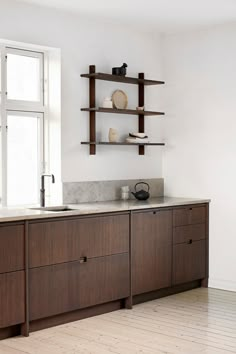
92,109
120,143
122,79
123,111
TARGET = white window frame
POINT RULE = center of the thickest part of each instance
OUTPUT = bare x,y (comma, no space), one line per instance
40,117
38,105
22,108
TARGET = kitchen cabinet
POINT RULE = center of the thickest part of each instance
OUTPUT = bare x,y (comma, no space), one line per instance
151,250
185,233
77,262
70,286
60,269
189,215
52,242
190,243
12,294
189,262
12,274
11,248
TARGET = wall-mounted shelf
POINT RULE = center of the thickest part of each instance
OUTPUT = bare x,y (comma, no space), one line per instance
92,109
122,79
120,143
123,111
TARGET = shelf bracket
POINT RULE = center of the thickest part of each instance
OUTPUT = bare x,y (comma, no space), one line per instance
92,114
141,117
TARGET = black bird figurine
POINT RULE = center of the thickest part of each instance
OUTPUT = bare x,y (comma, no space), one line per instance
121,71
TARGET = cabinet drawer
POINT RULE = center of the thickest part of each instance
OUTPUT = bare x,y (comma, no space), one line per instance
12,307
189,262
11,248
189,215
152,227
55,242
186,233
104,279
66,287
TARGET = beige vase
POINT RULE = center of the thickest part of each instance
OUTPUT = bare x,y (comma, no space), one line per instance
113,135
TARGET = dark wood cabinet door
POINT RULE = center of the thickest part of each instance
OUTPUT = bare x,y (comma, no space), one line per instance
189,215
189,262
11,248
12,295
151,251
59,241
104,279
53,290
70,286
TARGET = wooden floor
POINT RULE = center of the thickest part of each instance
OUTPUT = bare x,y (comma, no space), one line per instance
197,321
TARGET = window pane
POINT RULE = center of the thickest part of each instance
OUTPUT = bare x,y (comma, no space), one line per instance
23,78
22,160
1,163
0,78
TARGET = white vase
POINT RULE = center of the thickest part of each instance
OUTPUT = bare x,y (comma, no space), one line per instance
113,135
107,103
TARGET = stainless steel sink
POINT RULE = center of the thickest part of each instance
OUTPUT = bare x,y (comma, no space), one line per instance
58,208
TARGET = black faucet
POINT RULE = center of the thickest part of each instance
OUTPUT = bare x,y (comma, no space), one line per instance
42,190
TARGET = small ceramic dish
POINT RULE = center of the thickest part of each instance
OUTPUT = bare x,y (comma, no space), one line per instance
138,135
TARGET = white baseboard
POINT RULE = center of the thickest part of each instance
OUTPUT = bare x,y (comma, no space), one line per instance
222,284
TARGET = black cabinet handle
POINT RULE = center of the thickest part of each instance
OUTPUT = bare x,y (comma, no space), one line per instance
190,241
83,259
190,208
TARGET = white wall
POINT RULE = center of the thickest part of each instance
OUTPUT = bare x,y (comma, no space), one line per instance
83,43
200,161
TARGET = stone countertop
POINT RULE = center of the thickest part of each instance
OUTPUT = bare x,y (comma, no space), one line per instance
21,214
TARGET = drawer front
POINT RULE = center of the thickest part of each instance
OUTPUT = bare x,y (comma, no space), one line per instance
12,294
66,287
53,290
104,279
11,248
189,262
152,227
183,234
55,242
189,215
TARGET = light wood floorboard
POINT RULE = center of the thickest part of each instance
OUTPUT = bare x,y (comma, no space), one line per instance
200,321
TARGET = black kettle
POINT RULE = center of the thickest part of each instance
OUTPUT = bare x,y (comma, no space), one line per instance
141,194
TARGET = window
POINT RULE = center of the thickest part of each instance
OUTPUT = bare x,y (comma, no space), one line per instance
22,114
24,152
24,76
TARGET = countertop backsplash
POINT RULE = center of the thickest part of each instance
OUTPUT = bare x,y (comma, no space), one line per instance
99,191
